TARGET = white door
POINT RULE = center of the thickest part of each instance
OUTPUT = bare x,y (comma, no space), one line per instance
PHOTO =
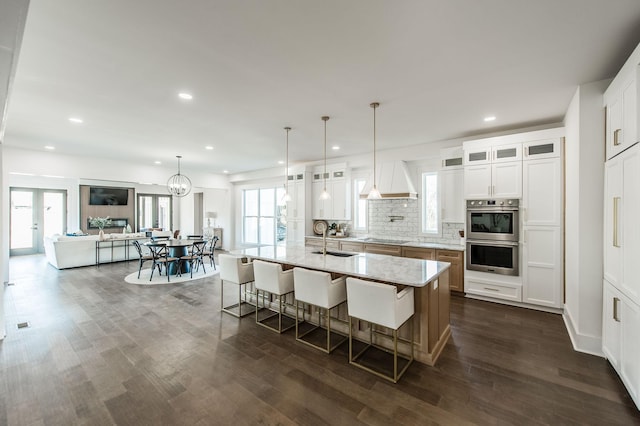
611,324
542,192
506,180
452,198
630,348
612,224
34,214
630,232
542,272
477,181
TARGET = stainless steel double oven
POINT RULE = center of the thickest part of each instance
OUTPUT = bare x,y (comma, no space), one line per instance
493,236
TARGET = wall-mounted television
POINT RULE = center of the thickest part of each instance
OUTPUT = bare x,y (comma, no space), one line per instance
103,196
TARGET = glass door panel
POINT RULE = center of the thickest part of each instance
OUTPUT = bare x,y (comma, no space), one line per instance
35,213
23,223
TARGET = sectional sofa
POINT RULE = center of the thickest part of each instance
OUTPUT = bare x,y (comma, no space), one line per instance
72,251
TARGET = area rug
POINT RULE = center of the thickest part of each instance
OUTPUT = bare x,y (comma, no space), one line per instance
162,279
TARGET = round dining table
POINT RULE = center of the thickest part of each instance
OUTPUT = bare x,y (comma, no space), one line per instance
177,248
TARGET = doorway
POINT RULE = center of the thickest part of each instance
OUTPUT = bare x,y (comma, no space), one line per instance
154,211
35,213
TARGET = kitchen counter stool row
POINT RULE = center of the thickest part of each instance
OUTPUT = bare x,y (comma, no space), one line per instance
376,303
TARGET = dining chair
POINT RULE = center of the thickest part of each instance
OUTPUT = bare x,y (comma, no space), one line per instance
176,233
210,251
195,257
160,253
142,257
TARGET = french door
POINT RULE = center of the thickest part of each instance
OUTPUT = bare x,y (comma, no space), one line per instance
35,213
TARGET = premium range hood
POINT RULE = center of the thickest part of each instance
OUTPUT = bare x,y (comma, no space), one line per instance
393,181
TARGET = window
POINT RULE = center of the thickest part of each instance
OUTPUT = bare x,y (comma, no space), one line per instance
430,209
154,211
263,219
359,206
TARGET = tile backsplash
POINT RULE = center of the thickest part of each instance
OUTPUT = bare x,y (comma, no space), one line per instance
401,219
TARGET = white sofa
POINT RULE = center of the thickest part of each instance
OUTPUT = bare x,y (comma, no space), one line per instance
70,252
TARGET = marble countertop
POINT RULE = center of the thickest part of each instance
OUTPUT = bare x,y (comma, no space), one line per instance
393,269
456,247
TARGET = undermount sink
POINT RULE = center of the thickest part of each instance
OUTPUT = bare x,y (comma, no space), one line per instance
336,253
383,241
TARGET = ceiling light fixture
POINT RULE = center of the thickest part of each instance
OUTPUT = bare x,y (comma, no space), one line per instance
335,148
325,194
286,197
490,118
185,96
76,120
178,184
225,171
374,194
49,147
208,147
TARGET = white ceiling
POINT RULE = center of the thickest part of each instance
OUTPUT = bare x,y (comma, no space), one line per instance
254,66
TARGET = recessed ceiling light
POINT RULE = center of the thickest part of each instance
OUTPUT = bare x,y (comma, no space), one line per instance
335,147
157,162
49,147
185,96
209,147
76,120
225,171
280,162
490,118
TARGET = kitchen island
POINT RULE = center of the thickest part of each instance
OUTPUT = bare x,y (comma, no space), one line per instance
430,279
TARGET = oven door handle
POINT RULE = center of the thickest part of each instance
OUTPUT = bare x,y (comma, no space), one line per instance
493,243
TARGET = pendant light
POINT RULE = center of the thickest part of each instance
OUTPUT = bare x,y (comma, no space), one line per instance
325,194
374,194
286,197
179,185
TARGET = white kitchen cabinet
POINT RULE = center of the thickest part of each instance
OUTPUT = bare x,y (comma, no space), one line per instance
548,148
620,343
542,192
493,172
298,208
620,104
452,158
452,198
501,180
542,266
338,206
621,230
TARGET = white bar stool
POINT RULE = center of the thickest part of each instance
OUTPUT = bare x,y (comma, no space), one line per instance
233,270
270,278
380,304
318,289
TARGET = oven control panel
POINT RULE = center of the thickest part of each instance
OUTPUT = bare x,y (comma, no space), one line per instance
493,203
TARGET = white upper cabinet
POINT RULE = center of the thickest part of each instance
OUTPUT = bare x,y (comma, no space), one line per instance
452,158
493,172
452,198
621,122
548,148
338,206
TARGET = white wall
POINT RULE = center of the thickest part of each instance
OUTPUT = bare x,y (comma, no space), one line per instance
584,168
13,15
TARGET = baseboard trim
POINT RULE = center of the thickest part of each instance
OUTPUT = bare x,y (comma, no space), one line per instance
581,342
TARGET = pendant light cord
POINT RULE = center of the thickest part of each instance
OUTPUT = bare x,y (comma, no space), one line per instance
286,167
325,118
374,105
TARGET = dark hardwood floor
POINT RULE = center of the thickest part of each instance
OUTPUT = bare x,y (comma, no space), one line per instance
99,351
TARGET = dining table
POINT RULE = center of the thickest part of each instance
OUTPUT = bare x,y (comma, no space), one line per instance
177,248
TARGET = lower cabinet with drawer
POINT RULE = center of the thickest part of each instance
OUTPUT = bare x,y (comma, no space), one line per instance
494,288
351,246
383,249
